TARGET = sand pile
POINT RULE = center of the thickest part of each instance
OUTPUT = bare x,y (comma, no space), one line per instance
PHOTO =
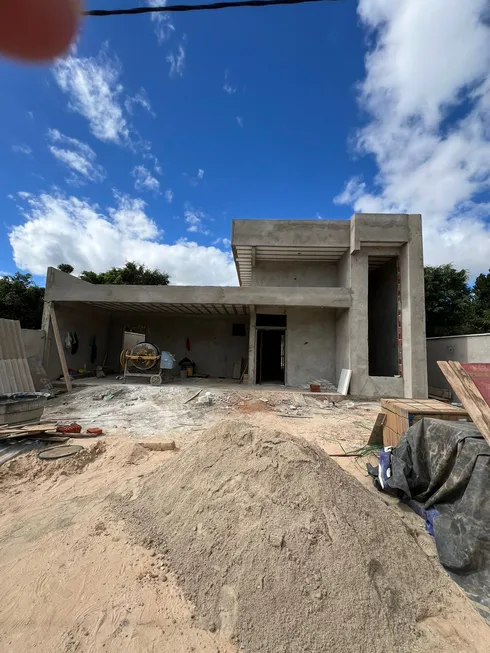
30,468
280,550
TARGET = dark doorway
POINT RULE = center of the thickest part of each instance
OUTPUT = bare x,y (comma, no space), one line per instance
382,318
271,347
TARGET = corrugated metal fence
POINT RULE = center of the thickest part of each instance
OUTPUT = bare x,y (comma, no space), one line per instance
15,375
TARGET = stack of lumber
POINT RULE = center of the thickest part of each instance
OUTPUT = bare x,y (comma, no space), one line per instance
30,431
400,414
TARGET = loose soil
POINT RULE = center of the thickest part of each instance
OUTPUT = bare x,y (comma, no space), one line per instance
282,551
79,577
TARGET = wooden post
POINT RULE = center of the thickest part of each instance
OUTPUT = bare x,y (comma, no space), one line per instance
46,327
59,345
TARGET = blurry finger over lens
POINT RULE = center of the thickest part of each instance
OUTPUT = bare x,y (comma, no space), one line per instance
37,30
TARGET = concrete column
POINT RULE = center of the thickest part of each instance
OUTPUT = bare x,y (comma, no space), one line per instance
251,347
358,323
413,312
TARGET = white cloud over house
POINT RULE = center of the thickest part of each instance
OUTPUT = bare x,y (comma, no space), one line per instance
426,93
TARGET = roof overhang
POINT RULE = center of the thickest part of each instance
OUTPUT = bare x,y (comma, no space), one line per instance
246,257
232,300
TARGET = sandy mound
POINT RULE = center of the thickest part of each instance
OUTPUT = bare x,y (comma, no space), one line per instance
282,551
29,467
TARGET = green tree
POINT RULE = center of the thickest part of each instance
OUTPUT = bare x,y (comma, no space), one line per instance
131,274
66,267
448,301
21,299
481,303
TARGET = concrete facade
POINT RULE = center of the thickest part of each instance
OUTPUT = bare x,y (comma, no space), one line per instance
320,283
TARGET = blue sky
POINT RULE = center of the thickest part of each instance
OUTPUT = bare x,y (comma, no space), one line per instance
152,134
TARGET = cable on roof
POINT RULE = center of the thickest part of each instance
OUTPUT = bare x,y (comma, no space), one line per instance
213,5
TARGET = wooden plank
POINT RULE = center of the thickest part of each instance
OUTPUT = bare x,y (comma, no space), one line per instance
59,346
390,438
442,393
376,436
30,428
390,420
471,398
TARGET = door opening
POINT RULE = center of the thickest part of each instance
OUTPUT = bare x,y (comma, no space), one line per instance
384,329
271,355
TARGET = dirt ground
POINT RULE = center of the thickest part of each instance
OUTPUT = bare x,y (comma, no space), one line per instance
73,578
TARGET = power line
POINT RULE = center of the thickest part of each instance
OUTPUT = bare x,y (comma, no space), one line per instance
213,5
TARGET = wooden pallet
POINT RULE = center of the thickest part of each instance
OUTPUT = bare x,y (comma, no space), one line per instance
401,414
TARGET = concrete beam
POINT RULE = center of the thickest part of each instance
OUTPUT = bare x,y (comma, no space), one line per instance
291,233
378,228
60,289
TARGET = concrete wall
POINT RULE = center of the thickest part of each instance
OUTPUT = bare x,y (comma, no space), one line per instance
413,312
382,321
33,340
86,323
465,349
310,345
313,274
213,348
342,336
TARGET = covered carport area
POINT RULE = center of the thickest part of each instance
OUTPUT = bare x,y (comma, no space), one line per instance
213,326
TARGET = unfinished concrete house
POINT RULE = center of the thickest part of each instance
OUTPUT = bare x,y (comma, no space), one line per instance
315,297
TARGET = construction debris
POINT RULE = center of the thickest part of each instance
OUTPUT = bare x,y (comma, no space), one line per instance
324,384
158,446
69,428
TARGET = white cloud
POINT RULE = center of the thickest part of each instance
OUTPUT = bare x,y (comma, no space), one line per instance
194,219
224,242
169,195
239,120
427,95
22,149
353,190
156,163
194,181
177,62
162,22
140,98
144,179
94,90
77,156
227,86
63,228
